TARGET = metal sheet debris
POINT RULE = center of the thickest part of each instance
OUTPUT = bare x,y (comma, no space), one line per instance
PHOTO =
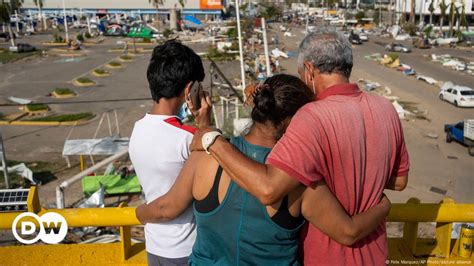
104,146
19,100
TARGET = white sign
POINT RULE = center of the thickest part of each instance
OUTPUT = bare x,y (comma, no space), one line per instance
52,228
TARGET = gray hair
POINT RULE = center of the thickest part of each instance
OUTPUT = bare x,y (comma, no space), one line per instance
328,50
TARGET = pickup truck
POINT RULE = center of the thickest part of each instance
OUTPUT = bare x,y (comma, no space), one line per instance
462,132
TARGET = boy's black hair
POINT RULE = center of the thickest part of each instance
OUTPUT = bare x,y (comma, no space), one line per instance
172,66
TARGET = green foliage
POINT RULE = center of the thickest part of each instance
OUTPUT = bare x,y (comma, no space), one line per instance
156,3
64,91
410,28
58,38
427,31
215,55
146,40
114,64
271,12
393,56
80,37
167,33
232,33
6,56
359,16
126,57
101,71
84,80
32,107
87,35
65,118
8,8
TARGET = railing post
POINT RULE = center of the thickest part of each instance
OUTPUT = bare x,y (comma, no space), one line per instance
443,233
125,237
410,230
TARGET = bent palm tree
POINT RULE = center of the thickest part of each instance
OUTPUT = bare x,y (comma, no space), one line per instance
432,10
451,16
464,21
157,4
40,4
6,9
443,7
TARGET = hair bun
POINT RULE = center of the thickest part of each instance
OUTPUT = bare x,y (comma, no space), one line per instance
264,100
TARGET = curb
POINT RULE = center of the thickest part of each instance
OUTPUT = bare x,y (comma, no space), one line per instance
44,123
114,67
54,43
101,75
62,96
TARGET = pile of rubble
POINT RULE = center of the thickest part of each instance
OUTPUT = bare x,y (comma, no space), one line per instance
454,63
393,61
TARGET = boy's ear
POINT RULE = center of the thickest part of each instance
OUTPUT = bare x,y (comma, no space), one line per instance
187,89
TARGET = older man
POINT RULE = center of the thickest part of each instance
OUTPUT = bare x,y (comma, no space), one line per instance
349,139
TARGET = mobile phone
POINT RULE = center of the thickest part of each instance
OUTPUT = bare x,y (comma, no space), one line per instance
195,94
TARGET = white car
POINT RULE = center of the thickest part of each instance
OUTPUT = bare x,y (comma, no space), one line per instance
457,95
363,37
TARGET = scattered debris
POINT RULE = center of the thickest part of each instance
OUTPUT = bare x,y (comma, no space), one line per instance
432,135
401,112
427,79
22,101
22,170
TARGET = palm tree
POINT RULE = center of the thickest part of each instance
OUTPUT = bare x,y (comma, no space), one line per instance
157,4
412,11
463,17
432,10
403,16
6,9
39,4
451,16
443,7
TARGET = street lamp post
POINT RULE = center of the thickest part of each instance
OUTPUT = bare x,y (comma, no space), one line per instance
65,22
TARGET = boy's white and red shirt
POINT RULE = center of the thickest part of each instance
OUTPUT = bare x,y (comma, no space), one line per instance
159,147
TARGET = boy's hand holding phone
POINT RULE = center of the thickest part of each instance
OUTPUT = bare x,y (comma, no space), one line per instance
200,105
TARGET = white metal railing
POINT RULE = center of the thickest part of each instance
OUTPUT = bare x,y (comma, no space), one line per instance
60,202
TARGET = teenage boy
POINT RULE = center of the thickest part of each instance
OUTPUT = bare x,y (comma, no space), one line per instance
159,147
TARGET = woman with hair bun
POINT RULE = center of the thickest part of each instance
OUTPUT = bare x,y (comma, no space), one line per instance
233,227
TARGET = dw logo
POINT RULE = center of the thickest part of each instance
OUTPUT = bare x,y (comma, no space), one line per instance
52,228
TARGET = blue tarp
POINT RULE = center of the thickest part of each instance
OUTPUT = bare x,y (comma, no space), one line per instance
192,19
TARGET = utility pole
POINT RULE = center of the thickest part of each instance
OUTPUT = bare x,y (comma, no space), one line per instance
241,53
265,46
4,163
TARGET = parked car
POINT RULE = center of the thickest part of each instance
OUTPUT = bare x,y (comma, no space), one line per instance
462,132
5,36
355,38
363,37
397,47
22,48
457,95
